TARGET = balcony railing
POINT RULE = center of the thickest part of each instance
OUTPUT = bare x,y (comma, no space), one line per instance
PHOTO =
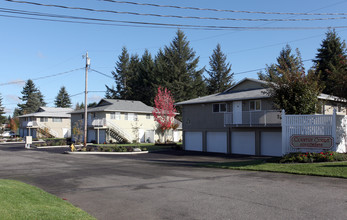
97,122
253,118
26,124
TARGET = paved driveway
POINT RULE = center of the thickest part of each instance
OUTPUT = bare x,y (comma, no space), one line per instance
168,186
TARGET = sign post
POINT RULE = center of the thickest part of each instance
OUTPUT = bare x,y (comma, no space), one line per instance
28,141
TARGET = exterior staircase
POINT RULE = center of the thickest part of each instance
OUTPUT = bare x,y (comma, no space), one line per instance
46,131
117,133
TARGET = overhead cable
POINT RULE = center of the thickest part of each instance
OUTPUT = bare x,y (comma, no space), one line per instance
163,25
38,78
179,16
221,10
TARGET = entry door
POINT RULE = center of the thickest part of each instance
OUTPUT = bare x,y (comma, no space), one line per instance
237,112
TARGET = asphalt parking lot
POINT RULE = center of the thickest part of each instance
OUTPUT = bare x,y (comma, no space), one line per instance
168,185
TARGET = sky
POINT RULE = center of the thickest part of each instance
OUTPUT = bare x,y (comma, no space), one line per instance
51,52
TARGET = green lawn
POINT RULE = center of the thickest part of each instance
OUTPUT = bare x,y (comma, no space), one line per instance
22,201
331,169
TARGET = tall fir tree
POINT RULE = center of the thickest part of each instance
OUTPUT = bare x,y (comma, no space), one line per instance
329,62
32,97
63,99
145,81
176,69
220,76
290,88
121,76
2,112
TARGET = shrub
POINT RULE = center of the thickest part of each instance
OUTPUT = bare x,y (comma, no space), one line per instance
144,149
326,156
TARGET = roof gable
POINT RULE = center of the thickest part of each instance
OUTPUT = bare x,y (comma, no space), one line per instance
120,106
247,84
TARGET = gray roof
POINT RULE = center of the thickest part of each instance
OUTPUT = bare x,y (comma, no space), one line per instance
50,112
223,97
112,105
229,95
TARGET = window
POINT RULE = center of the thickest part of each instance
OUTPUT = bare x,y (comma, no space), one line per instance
117,115
148,116
254,105
57,119
43,119
126,116
219,107
113,115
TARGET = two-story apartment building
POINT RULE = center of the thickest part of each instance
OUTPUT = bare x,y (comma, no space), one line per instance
241,120
114,120
46,122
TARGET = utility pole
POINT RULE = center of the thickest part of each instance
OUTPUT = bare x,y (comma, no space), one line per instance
85,101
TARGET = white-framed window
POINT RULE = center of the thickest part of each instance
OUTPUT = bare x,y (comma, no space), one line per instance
220,107
44,119
255,105
117,115
126,116
113,115
148,116
57,119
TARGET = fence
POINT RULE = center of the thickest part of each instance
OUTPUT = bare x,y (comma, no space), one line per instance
314,126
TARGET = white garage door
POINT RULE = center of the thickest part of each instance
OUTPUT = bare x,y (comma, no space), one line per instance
216,142
271,143
193,141
243,143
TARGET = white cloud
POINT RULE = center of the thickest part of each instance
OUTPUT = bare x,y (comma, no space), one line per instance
94,98
40,55
13,98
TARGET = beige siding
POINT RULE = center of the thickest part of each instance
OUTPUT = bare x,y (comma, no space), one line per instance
131,127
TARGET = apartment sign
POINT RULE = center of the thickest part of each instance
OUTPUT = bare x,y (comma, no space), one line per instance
311,141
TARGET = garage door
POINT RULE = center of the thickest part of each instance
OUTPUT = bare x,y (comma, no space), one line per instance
243,143
193,141
271,143
216,142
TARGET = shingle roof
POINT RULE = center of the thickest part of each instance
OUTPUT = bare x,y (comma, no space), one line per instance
50,112
222,97
245,95
119,105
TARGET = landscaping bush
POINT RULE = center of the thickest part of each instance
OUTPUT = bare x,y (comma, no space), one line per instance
326,156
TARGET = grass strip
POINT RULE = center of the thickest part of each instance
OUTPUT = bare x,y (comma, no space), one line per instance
330,169
22,201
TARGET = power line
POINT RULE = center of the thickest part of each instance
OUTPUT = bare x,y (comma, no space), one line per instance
177,16
38,78
102,73
221,10
161,25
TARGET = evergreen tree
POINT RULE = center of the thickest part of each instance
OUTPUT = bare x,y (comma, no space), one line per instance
63,99
176,69
144,82
32,97
290,88
2,112
121,76
329,62
220,77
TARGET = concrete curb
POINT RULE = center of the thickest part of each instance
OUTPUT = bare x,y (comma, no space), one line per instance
47,147
105,153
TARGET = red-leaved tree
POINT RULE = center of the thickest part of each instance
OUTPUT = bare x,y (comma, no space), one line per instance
164,109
